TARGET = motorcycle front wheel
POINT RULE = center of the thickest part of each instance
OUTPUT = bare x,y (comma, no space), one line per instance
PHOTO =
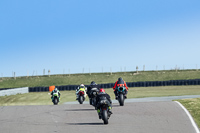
81,99
121,100
55,101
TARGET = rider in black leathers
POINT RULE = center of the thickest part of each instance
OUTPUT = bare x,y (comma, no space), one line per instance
92,85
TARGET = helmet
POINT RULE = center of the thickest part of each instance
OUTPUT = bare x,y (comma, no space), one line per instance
55,90
120,79
93,83
101,90
82,85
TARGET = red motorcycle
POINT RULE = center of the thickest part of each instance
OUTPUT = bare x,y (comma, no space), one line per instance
81,97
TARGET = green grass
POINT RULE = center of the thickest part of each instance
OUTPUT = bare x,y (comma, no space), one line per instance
35,98
43,98
193,106
76,79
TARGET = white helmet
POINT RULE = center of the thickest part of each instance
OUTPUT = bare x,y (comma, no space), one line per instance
82,85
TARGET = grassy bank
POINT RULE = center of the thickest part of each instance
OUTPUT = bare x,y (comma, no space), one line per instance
75,79
43,98
193,106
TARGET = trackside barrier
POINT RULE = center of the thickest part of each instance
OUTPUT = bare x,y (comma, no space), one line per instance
129,84
13,91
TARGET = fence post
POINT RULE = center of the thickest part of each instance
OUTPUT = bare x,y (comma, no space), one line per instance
14,76
49,73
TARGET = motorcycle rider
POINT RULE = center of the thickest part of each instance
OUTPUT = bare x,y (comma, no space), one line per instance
92,85
120,82
102,95
81,88
55,91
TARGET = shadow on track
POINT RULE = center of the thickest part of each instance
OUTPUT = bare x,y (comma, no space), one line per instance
80,110
84,123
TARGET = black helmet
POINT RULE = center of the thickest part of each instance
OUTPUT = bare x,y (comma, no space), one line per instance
119,79
93,83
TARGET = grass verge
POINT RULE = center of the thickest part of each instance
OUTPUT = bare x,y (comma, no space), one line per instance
193,106
43,98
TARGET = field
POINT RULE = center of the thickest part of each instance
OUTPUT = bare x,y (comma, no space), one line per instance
76,79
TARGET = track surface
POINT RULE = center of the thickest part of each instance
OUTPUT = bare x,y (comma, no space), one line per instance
143,117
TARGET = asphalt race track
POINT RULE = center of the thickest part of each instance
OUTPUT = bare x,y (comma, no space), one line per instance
135,117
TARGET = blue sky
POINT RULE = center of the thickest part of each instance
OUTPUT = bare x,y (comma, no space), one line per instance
76,35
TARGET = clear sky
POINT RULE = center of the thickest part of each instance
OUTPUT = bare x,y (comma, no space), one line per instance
98,35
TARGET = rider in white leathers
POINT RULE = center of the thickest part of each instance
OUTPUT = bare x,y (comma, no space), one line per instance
81,88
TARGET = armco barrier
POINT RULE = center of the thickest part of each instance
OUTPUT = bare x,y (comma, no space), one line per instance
13,91
129,84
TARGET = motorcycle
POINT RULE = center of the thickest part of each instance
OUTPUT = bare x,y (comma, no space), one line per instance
56,98
121,93
93,94
81,97
104,114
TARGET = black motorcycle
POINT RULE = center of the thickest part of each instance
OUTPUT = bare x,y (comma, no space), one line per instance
104,113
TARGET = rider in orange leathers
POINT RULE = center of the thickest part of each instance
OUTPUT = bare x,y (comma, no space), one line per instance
120,83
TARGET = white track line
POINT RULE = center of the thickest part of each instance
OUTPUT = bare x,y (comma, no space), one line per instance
190,117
